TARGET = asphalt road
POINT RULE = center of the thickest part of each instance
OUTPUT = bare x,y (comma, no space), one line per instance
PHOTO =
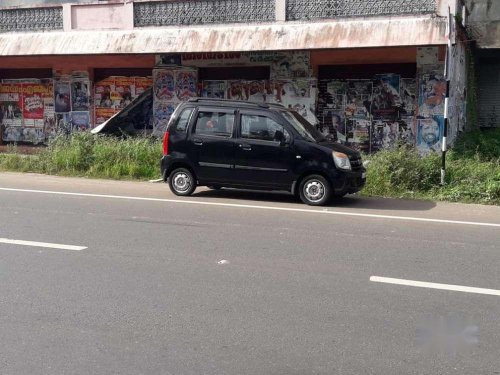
146,291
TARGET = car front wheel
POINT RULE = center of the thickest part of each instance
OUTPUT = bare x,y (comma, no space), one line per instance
182,182
315,190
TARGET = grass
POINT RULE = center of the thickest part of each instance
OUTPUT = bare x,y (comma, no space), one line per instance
86,155
472,172
473,166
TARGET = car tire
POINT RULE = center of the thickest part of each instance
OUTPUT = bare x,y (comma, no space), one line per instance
182,182
315,190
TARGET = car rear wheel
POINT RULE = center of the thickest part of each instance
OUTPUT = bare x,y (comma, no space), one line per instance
182,182
315,190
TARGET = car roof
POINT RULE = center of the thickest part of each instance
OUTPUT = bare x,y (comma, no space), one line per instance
235,103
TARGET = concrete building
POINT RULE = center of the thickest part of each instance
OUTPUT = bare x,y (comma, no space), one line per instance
484,25
369,71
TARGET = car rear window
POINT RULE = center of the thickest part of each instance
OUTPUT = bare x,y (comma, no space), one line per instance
183,121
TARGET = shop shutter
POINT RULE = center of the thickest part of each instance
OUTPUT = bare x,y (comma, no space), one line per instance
489,94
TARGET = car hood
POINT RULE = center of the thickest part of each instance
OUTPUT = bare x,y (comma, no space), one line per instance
334,146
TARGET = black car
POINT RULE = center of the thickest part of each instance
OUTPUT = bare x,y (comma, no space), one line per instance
223,143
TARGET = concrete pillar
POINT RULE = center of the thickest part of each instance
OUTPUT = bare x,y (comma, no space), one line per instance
129,15
66,8
280,10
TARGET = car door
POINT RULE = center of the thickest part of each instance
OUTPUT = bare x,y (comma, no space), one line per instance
211,144
264,150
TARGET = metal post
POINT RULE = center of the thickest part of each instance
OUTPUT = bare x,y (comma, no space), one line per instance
444,144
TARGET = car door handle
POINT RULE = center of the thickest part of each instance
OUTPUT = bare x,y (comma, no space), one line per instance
245,147
198,142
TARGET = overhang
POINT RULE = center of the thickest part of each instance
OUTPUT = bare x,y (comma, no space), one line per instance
348,33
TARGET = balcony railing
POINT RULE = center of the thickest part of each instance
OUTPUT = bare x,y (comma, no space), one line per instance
31,19
317,9
197,12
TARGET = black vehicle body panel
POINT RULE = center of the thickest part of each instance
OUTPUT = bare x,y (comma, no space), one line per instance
254,163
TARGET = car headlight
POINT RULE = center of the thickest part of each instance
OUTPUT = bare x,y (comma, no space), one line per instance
341,161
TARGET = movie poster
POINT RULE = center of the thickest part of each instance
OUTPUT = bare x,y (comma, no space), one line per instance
63,123
407,130
336,95
62,96
409,96
358,99
361,129
33,135
333,124
236,90
80,121
103,114
49,127
80,94
186,84
385,134
286,65
102,93
124,92
33,103
162,113
163,84
142,84
11,104
432,93
214,89
386,99
430,134
256,91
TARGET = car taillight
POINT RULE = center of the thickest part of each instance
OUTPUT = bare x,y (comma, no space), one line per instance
165,143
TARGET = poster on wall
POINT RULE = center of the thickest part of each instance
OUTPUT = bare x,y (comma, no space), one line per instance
336,95
333,123
103,114
163,84
186,84
63,123
429,134
102,93
432,93
236,90
33,104
214,89
409,96
11,105
142,84
407,130
386,100
80,94
256,91
288,65
80,121
33,135
124,92
162,113
360,134
358,98
62,96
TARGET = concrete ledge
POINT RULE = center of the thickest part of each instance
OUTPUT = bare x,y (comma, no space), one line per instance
347,33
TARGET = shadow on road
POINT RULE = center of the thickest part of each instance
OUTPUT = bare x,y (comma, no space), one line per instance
350,201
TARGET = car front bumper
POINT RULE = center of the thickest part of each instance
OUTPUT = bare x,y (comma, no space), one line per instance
349,182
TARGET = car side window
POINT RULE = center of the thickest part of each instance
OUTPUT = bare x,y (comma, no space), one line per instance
218,124
183,121
263,128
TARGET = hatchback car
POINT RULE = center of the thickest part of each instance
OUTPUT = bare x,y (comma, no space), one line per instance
222,143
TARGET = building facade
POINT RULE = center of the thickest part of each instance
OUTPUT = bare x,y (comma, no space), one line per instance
369,73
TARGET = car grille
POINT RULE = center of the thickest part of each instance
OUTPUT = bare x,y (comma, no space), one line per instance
356,163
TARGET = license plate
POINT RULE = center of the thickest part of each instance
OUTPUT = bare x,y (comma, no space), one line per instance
363,175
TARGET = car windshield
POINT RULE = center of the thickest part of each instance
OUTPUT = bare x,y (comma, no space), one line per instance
303,127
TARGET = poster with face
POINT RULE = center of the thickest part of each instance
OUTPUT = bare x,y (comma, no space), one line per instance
214,89
409,96
335,97
236,90
11,104
63,123
256,91
358,99
80,94
49,127
62,96
385,134
386,100
332,124
33,135
80,121
432,94
163,84
407,130
429,134
186,84
142,84
288,65
13,134
124,92
162,112
102,93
